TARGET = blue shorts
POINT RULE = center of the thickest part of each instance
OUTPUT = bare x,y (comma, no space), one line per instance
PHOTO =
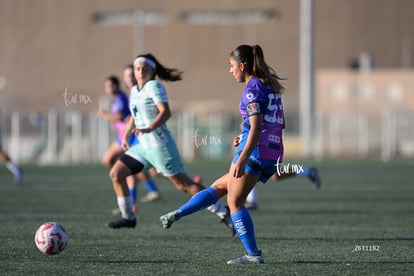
263,168
132,140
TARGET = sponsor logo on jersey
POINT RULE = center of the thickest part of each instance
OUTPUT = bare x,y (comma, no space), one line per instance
253,108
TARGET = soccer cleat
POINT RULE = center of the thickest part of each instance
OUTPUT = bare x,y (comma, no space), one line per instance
250,205
122,223
151,196
168,219
314,177
116,211
248,259
228,222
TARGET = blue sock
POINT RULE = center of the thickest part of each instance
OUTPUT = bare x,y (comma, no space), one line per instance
245,230
199,201
304,172
150,185
133,194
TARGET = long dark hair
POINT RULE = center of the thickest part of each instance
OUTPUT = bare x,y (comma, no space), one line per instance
114,80
129,66
162,72
253,58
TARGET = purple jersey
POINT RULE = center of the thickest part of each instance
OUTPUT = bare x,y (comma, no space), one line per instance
258,98
121,104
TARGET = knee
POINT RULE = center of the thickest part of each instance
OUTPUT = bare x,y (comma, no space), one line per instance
107,161
181,187
184,187
115,175
143,176
235,203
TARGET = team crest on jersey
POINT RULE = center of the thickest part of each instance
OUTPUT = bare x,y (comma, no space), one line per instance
253,108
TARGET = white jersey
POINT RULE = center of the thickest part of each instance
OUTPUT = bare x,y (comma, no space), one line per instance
143,105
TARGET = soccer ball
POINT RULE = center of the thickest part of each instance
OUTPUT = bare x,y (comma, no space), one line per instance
51,238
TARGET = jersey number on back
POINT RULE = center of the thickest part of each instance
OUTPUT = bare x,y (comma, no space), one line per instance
272,106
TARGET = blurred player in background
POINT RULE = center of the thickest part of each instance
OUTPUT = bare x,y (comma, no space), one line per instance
118,116
13,168
311,173
150,112
153,192
257,154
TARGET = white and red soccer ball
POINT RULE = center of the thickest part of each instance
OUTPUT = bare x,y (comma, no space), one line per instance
51,238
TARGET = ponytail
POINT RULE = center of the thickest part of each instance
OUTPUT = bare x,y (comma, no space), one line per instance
253,58
163,73
264,72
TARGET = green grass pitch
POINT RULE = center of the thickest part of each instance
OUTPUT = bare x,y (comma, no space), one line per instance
363,205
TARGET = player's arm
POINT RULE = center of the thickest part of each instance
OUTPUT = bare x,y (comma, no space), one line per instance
110,117
253,137
164,113
129,128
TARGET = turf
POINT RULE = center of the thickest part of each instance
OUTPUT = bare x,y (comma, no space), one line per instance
301,231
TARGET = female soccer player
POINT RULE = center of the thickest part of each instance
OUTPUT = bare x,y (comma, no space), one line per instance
156,148
13,168
257,154
153,193
120,112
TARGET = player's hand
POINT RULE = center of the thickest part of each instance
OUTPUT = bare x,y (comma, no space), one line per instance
101,113
236,141
142,131
239,168
125,144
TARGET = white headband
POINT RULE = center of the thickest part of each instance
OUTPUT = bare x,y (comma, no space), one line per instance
146,60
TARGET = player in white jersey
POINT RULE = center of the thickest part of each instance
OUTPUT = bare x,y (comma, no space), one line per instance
153,192
150,112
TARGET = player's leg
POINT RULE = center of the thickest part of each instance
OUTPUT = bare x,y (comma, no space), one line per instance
132,183
312,173
123,168
202,199
112,154
11,166
238,189
153,193
185,184
155,173
251,200
167,161
202,196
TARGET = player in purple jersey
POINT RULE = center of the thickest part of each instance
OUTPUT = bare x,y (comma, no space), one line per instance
260,147
118,115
